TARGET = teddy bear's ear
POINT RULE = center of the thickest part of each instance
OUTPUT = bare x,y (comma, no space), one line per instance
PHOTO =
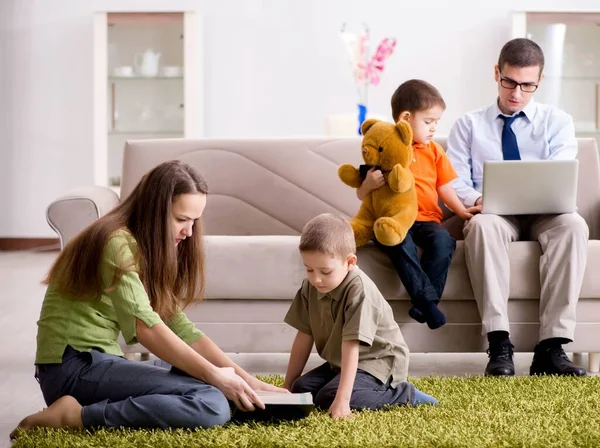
405,132
367,125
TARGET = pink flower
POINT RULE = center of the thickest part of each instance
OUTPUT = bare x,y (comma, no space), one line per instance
373,69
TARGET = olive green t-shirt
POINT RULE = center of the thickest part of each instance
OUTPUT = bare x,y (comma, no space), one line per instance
355,310
88,324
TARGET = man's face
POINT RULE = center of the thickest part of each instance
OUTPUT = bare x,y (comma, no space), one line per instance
515,99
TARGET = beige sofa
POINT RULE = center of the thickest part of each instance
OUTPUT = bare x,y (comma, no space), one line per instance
263,191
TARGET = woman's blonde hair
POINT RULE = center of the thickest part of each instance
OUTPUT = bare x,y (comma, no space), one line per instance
172,275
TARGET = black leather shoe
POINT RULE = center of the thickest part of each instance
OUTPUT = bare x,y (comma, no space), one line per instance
553,361
501,360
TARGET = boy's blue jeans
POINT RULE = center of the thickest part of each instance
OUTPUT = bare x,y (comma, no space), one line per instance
116,392
367,393
425,278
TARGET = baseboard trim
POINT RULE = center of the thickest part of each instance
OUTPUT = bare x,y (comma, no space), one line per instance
39,244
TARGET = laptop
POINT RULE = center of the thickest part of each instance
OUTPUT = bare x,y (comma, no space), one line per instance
530,187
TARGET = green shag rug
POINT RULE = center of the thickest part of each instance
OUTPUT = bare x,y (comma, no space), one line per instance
473,412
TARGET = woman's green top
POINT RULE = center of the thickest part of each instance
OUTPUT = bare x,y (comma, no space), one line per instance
88,324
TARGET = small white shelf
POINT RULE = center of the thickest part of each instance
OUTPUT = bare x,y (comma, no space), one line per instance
147,132
145,78
585,126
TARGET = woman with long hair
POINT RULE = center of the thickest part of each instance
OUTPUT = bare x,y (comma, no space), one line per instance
133,271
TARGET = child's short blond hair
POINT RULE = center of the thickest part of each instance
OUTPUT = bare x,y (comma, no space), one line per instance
329,234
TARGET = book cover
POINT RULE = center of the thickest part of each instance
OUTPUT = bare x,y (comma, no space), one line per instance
279,398
278,407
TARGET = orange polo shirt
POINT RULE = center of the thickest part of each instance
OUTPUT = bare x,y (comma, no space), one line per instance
432,169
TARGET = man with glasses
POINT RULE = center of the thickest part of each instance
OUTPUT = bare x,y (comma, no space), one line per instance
515,127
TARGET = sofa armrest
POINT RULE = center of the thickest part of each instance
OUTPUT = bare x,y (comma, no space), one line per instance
73,212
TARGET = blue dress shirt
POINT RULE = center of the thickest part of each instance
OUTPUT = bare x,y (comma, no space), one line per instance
545,132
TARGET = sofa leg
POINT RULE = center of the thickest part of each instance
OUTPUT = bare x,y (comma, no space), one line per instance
144,356
594,363
578,359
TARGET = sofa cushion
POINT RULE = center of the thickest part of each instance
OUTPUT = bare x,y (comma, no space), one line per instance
270,267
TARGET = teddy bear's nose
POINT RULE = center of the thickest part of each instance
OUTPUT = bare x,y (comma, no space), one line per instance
381,149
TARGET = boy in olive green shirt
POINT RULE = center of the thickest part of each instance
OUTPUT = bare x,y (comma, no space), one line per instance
341,311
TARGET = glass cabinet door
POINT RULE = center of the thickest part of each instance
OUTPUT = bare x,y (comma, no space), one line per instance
571,45
146,83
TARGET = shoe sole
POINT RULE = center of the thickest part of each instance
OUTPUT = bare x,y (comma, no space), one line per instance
533,373
499,375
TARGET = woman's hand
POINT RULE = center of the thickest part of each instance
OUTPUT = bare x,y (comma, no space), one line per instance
259,385
236,389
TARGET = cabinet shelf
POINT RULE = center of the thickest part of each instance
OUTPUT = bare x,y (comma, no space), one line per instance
148,132
145,78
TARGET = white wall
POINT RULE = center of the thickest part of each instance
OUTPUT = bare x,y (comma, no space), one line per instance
273,68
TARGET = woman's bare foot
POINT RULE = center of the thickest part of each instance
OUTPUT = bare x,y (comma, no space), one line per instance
63,413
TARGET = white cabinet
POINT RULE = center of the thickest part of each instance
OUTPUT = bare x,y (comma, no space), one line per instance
147,83
571,45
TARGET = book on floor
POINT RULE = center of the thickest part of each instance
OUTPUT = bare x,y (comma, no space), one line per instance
279,398
278,407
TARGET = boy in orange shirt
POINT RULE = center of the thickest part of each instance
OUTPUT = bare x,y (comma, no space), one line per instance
422,106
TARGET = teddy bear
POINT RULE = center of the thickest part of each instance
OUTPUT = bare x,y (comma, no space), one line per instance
389,211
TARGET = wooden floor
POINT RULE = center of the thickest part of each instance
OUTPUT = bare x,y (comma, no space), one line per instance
21,296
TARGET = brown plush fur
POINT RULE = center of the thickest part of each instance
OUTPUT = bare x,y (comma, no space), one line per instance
389,211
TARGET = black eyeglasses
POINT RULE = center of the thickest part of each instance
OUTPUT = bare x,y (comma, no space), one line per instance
508,83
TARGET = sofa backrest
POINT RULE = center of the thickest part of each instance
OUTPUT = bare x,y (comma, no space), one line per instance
274,186
256,186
